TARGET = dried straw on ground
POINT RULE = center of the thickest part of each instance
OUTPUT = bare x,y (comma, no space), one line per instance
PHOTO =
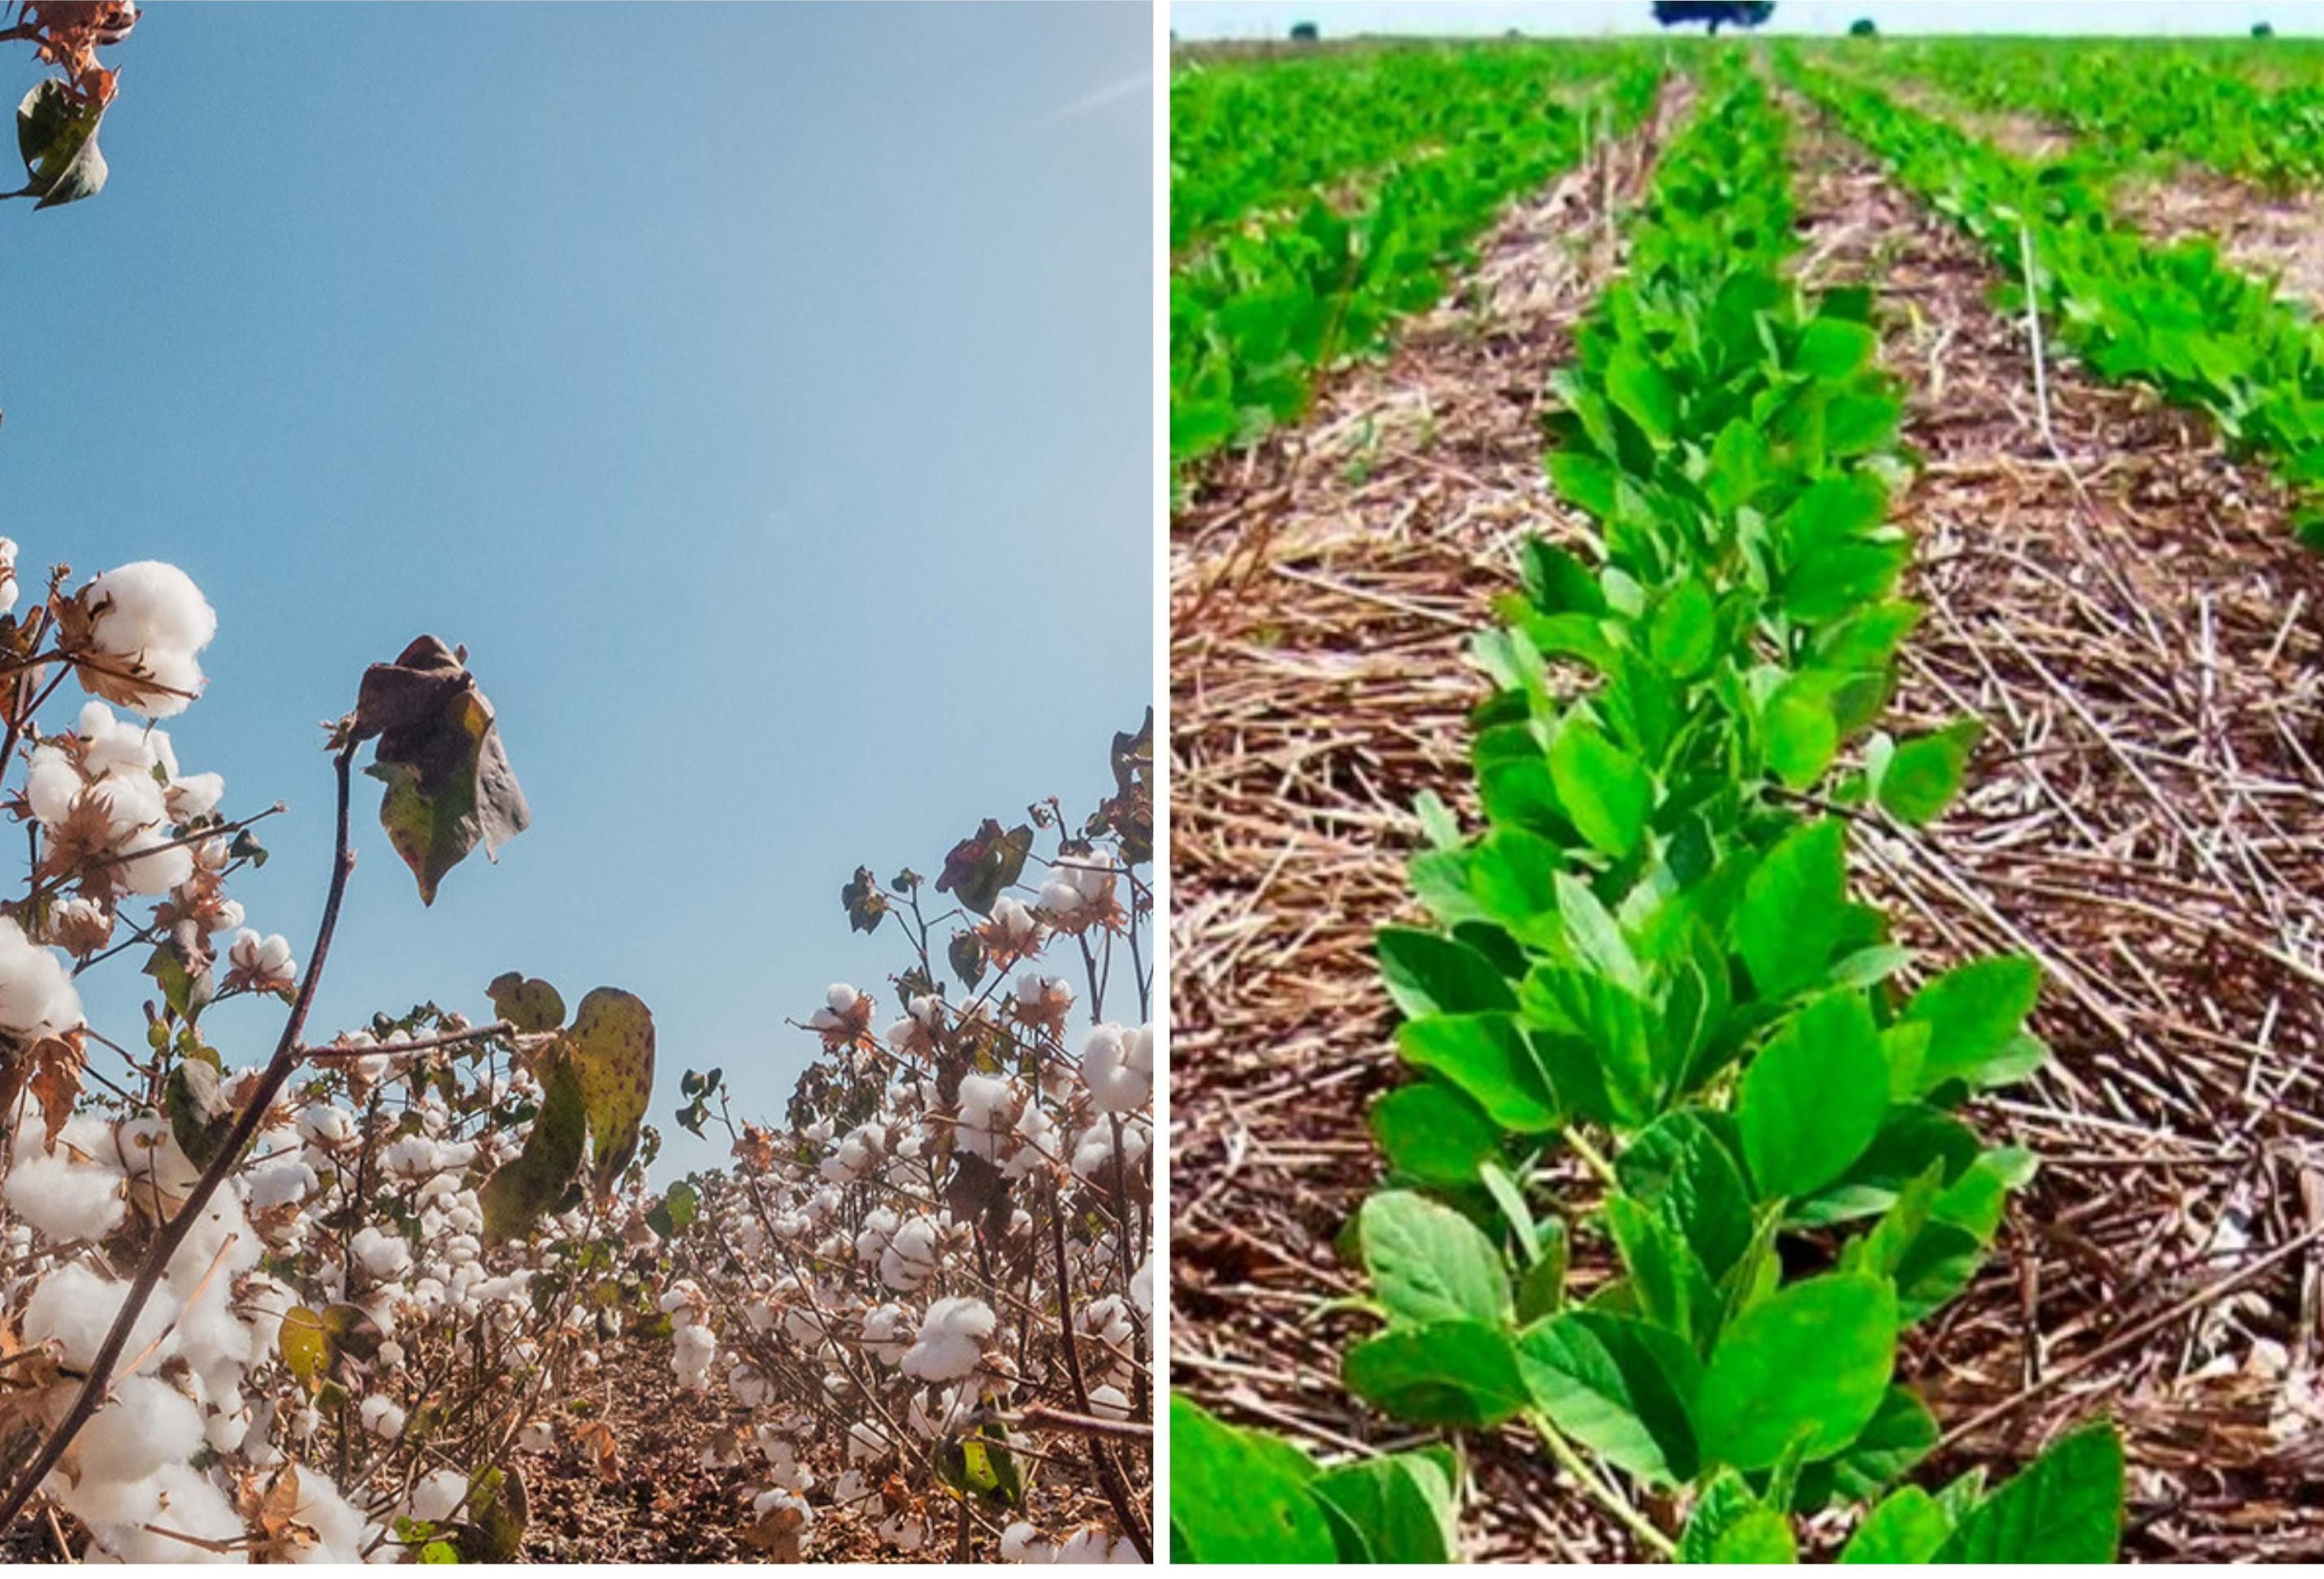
2115,597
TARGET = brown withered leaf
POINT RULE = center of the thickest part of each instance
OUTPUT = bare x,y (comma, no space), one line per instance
776,1534
56,1063
596,1437
978,1192
450,785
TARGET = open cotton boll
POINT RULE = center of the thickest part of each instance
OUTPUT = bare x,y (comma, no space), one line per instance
147,1424
438,1495
951,1341
36,995
909,1257
1109,1403
64,1199
886,1330
220,1237
101,1503
381,1415
382,1255
338,1527
148,620
1022,1543
192,1505
74,1307
1118,1066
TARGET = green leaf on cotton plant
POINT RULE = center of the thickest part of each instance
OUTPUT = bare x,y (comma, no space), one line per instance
1680,1167
1605,789
1730,1524
1621,1387
520,1191
1900,1434
1917,779
1426,973
1429,1263
611,1050
450,785
526,1002
1807,1366
1683,633
1432,1133
978,868
1462,1374
1908,1525
1801,734
1974,1013
56,134
2065,1508
1486,1055
1643,392
1399,1507
1241,1497
1793,910
1813,1098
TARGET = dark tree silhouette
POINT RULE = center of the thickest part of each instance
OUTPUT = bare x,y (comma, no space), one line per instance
1305,32
1713,13
1863,27
2263,30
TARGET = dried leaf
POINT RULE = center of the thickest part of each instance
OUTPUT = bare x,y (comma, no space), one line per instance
450,785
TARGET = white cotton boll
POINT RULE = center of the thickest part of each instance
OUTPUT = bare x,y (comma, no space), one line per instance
8,588
36,993
64,1199
195,795
438,1495
1085,1545
951,1341
152,619
147,1424
221,1238
910,1258
187,1502
156,873
227,1433
1118,1066
841,997
1141,1286
280,1182
538,1436
338,1527
887,1332
988,1109
381,1415
1108,1402
1022,1543
905,1532
1094,1149
52,782
106,1507
74,1307
382,1255
324,1126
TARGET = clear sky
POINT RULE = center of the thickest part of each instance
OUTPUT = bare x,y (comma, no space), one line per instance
762,393
1256,19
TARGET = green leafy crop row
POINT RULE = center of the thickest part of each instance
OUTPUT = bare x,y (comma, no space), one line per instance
2174,317
1254,314
1686,1161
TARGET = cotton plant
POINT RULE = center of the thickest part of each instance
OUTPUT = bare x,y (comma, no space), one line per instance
945,1253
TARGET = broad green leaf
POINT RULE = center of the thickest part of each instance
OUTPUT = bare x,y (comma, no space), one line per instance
1488,1058
1643,392
2066,1507
1813,1098
518,1192
1541,1291
304,1344
1907,1527
1793,909
1973,1013
1621,1387
1680,1167
1454,1373
56,132
611,1049
1921,776
1809,1364
1605,789
1399,1508
1833,348
526,1002
1683,636
1434,1133
1431,974
1429,1263
1726,1503
450,785
496,1517
1236,1501
1802,736
1899,1434
1668,1282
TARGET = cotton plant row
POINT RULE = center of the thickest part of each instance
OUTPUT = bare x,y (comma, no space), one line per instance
930,1289
306,1306
1687,1159
2207,335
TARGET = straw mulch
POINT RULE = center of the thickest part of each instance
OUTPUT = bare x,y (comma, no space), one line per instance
2113,595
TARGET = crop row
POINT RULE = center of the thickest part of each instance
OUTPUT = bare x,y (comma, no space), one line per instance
2175,317
1685,1161
1258,313
2138,101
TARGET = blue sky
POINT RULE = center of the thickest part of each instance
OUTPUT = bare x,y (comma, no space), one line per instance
762,393
1253,19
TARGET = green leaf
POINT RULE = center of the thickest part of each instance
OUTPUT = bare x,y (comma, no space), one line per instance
200,1118
1900,1435
450,785
1809,1364
1399,1509
1542,1290
526,1002
1680,1167
1730,1524
1643,392
1921,776
611,1049
1812,1099
1434,1133
965,955
1605,789
1488,1059
1240,1498
497,1517
866,906
978,868
1429,1263
1833,348
1907,1527
1454,1373
1428,974
1973,1013
1621,1387
1793,909
518,1193
1802,736
2065,1508
56,132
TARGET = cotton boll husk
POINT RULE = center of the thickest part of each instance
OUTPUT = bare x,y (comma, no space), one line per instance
75,1309
147,1424
65,1200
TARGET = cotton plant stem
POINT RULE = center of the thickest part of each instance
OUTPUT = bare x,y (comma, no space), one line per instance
1109,1474
173,1232
1597,1489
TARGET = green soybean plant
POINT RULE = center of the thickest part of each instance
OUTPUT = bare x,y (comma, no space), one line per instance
1650,962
